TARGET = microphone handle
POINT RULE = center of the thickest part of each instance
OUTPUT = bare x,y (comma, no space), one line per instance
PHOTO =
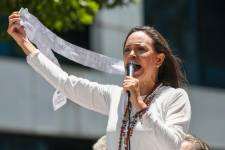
130,72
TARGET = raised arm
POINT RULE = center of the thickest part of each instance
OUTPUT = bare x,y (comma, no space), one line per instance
81,91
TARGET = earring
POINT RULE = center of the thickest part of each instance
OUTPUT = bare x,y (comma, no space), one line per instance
157,66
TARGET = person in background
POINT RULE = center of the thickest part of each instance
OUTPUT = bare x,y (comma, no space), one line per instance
100,144
154,115
193,143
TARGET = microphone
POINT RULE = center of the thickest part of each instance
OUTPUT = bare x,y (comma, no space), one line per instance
130,68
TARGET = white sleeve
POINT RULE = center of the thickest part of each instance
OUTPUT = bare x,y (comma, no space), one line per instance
170,133
88,94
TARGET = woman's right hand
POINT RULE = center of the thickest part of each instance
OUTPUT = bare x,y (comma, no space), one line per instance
17,32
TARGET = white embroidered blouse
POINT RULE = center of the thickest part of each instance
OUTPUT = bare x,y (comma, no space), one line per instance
162,127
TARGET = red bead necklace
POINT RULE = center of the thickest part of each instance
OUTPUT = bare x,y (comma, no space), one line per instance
127,131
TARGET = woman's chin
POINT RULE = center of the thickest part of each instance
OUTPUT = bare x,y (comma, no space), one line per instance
137,73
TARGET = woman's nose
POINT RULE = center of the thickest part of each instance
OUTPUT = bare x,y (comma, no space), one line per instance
132,53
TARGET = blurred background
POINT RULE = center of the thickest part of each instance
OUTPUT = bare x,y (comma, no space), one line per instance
194,29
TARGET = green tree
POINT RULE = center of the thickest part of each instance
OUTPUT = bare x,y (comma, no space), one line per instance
62,14
57,15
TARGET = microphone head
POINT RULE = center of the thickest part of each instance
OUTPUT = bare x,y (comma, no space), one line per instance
130,68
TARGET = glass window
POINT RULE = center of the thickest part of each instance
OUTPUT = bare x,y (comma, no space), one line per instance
195,31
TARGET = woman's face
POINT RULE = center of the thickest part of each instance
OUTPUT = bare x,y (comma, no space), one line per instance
139,48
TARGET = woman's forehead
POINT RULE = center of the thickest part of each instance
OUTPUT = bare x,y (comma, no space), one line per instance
139,37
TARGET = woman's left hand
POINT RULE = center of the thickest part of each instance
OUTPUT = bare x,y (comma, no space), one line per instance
132,85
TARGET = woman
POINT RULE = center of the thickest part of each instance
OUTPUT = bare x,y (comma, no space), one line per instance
100,144
157,114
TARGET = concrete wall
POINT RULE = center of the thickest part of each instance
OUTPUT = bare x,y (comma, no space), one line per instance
208,114
26,106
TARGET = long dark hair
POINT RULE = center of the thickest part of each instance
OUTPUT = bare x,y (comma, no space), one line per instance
170,72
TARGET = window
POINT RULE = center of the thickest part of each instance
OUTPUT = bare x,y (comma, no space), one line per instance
195,31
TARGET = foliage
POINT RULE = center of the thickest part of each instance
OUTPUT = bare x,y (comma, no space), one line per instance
61,14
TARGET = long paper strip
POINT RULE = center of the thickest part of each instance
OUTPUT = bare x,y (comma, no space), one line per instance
46,41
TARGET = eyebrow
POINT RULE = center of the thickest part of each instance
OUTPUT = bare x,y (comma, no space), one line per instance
141,43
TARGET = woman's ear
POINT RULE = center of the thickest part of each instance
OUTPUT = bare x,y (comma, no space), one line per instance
160,59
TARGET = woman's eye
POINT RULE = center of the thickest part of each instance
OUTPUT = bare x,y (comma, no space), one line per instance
137,50
140,50
126,50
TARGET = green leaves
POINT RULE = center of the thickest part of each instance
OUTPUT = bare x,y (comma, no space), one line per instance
61,14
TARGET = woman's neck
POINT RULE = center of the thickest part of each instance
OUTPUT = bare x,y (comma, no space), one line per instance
147,88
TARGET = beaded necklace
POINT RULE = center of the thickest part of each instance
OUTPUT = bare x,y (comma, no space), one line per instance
126,130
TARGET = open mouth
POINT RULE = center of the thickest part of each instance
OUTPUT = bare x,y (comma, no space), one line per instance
135,65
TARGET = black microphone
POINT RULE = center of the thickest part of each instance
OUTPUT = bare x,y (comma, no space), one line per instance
130,68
